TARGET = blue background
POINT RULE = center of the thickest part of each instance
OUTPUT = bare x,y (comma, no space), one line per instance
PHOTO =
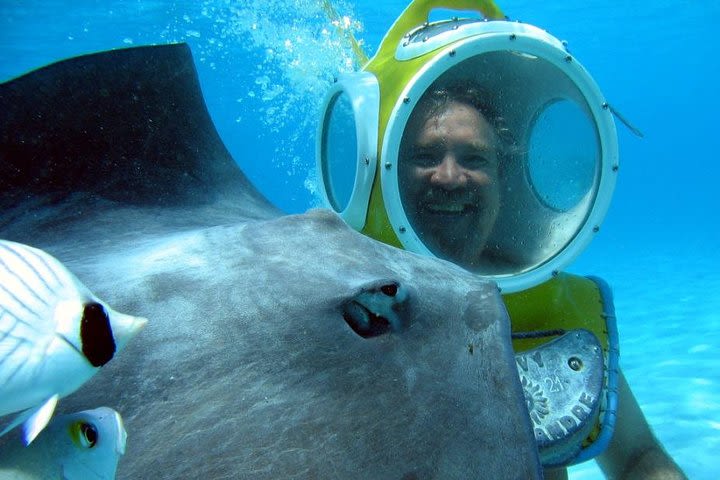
265,65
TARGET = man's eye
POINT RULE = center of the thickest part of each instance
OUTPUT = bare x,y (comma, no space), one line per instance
475,161
424,160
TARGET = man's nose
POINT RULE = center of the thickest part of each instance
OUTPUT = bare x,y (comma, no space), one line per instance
449,174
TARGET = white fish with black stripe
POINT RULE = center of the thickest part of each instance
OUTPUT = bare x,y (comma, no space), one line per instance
80,446
54,335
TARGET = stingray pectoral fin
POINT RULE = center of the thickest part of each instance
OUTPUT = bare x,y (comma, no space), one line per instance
33,419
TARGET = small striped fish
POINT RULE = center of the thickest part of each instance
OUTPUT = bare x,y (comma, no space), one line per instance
80,446
54,335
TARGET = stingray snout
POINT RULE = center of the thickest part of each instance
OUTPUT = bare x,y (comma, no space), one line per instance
377,309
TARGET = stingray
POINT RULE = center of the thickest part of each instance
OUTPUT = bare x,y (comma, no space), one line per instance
278,346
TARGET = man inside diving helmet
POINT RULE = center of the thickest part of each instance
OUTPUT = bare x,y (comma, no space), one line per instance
495,150
448,172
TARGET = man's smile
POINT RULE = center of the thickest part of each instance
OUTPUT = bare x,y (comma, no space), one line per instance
449,208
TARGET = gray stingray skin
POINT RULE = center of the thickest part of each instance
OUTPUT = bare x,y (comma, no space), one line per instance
247,368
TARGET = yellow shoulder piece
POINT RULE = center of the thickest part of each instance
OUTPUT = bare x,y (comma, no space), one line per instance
564,302
568,302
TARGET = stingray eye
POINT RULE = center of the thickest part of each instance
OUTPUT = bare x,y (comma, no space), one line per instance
84,434
390,289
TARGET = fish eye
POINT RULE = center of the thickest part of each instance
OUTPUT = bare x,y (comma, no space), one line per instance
84,434
88,435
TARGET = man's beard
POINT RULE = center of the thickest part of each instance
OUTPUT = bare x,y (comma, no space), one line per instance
450,225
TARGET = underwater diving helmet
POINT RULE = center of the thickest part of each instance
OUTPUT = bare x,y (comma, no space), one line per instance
513,190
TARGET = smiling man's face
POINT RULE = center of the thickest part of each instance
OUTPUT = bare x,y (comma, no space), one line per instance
448,179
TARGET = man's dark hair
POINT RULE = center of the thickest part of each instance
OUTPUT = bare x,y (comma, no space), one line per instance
466,91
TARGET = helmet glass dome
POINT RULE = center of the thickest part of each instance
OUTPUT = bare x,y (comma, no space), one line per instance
499,162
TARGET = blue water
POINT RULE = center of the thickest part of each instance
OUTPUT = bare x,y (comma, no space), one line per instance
265,64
